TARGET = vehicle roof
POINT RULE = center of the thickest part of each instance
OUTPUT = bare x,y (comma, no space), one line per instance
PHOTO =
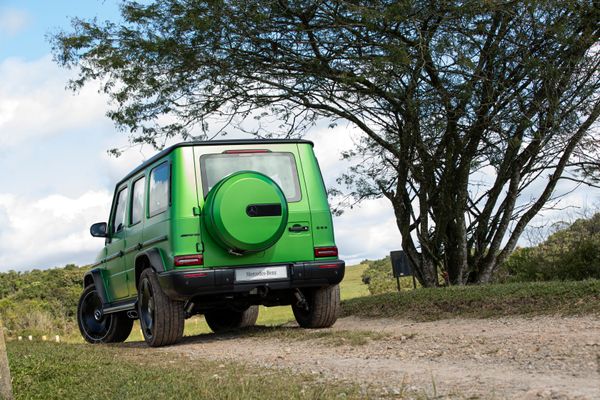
169,149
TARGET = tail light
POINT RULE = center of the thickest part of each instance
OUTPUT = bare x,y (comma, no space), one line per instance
331,251
193,259
196,275
328,266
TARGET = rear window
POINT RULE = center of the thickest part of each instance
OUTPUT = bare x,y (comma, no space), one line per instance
281,167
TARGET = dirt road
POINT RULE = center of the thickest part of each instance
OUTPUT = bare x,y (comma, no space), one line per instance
508,358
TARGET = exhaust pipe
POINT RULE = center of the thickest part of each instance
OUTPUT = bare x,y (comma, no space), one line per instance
301,300
187,310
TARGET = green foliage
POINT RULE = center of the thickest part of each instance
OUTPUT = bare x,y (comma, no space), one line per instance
380,277
569,254
40,302
484,301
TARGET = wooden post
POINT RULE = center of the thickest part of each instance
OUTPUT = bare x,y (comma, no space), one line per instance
5,383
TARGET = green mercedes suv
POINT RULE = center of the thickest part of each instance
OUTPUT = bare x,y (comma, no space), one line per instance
214,228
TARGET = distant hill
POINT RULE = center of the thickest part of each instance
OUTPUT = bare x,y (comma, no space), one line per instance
40,302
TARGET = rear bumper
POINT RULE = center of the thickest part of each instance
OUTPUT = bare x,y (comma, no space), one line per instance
183,284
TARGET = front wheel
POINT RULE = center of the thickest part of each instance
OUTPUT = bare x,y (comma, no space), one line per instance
96,327
321,308
161,318
224,320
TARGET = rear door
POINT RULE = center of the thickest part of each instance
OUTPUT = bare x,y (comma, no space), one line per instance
281,163
134,230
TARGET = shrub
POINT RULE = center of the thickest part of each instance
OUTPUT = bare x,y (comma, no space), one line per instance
380,277
40,302
569,254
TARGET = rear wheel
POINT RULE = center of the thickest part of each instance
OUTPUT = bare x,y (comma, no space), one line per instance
321,308
224,320
96,327
161,319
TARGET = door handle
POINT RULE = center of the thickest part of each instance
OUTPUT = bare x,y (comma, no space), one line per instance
298,228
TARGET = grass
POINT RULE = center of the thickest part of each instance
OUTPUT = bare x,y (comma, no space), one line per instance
352,285
327,337
485,301
73,371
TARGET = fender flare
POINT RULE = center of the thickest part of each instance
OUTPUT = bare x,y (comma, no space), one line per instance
95,277
151,258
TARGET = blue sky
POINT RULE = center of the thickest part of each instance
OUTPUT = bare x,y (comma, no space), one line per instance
26,22
56,178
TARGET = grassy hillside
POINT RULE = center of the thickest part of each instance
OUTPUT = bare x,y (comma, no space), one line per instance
40,302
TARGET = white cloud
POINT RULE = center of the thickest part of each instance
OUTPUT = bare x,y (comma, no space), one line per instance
34,102
329,145
53,230
13,21
367,231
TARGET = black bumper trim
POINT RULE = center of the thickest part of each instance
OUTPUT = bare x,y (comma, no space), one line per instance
182,284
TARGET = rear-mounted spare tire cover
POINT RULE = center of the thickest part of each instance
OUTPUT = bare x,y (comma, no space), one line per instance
245,212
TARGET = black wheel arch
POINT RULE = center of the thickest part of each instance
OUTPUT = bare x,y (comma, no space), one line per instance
151,258
94,277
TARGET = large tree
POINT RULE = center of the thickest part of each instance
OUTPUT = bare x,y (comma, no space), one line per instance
463,104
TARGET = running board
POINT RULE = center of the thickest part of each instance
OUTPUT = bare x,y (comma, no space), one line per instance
119,306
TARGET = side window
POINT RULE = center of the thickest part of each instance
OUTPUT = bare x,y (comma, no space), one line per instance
118,219
137,200
158,199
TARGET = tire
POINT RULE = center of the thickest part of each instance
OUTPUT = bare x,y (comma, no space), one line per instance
323,307
224,320
161,319
109,328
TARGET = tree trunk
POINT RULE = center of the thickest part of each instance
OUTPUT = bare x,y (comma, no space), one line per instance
5,383
429,271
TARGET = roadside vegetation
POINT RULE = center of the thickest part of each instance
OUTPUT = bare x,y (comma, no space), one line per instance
569,254
379,278
40,302
485,301
58,371
572,253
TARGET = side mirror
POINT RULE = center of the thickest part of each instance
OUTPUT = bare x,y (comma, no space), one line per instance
99,229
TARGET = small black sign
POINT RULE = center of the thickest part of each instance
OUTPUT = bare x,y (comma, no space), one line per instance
400,264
